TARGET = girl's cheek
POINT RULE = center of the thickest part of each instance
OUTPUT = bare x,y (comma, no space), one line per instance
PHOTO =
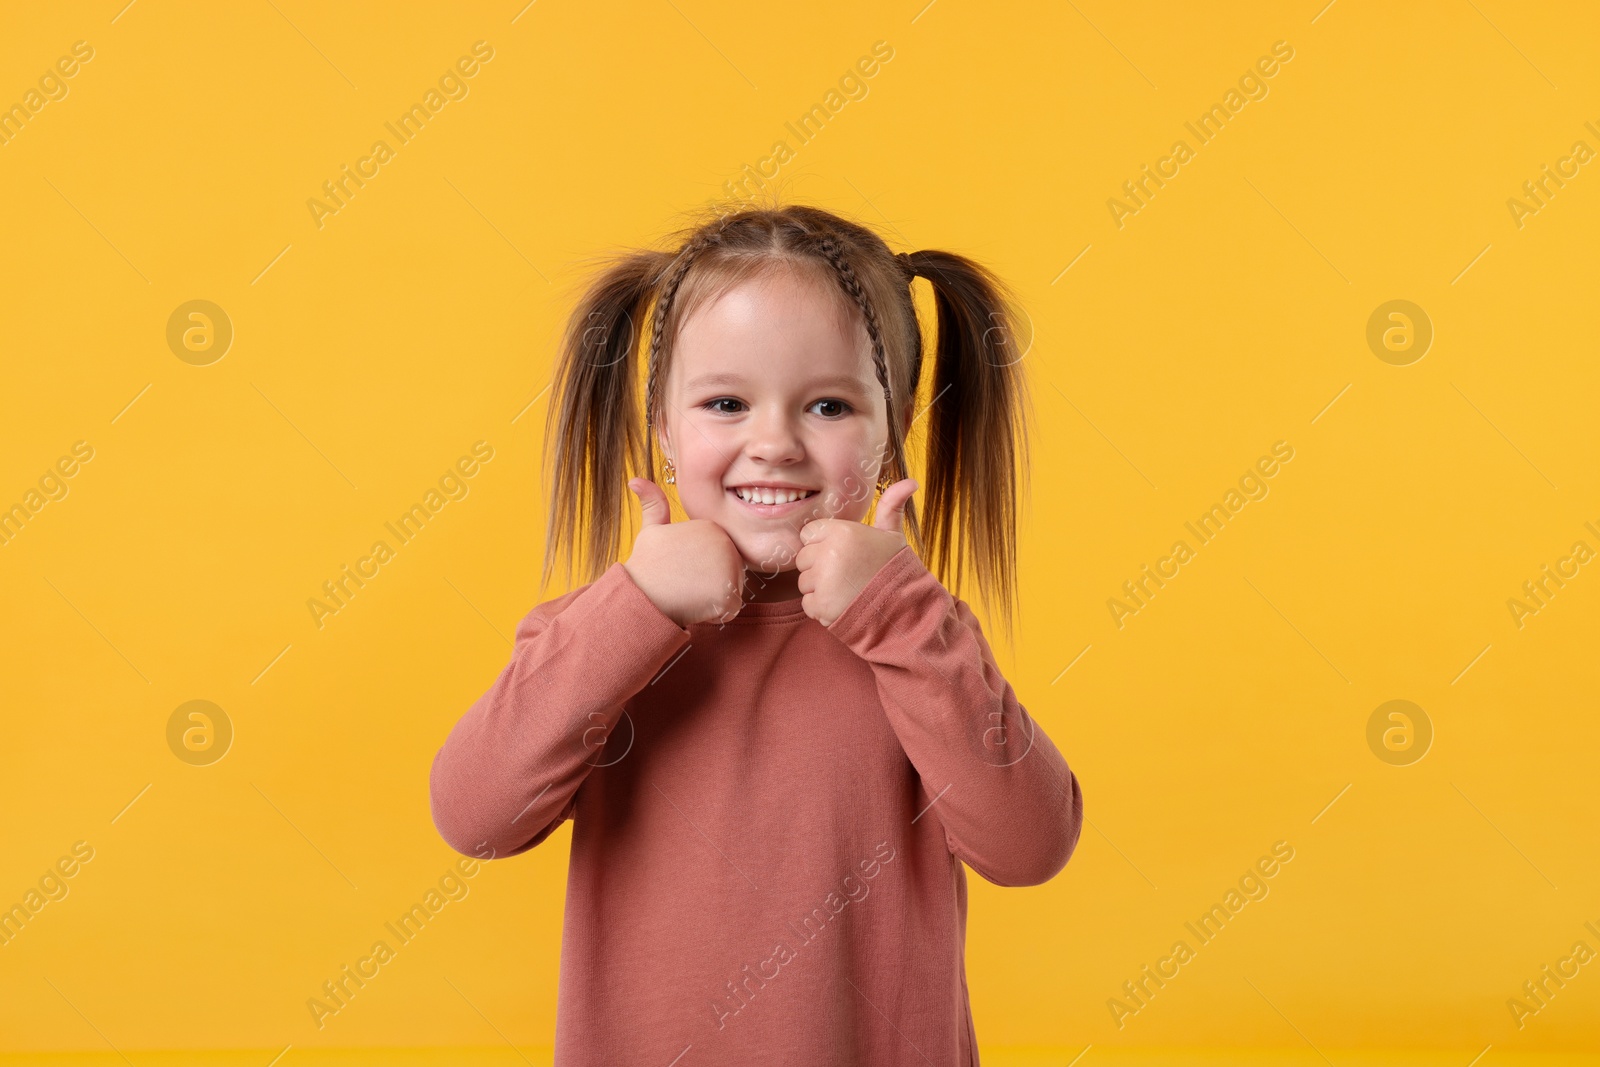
836,505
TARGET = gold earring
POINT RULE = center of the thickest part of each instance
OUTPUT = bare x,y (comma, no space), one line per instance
672,473
884,483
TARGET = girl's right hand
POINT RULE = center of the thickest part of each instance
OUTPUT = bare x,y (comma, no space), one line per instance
691,571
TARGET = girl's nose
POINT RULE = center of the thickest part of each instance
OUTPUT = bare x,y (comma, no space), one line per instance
773,439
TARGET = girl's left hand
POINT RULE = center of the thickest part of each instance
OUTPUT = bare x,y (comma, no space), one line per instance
838,557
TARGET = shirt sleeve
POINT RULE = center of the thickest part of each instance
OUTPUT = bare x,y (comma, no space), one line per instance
509,771
1011,808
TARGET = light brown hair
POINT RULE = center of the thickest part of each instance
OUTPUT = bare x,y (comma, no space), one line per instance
599,431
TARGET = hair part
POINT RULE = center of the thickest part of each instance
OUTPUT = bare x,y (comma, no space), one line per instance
618,349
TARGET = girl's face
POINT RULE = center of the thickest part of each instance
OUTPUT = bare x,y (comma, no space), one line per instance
772,385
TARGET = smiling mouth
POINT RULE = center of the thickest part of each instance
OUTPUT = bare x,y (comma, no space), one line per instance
770,501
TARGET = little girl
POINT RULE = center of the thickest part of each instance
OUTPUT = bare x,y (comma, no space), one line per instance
777,734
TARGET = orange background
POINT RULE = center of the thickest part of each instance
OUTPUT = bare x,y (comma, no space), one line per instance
1169,353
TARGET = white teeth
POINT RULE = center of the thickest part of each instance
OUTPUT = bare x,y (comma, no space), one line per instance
771,496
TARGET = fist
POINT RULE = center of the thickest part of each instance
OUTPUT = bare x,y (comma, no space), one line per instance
838,557
691,571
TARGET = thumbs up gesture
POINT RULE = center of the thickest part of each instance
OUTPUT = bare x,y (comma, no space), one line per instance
692,571
838,557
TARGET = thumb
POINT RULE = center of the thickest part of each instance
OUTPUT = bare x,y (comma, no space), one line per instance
892,505
652,501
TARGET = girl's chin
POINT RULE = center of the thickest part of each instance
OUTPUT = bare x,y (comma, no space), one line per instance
769,555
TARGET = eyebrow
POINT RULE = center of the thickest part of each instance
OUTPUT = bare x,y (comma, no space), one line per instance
837,381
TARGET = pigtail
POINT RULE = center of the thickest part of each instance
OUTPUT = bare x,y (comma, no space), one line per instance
977,446
594,435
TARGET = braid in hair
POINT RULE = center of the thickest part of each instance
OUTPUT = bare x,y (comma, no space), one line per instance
669,293
829,246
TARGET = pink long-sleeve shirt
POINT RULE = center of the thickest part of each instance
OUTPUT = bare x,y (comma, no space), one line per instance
770,818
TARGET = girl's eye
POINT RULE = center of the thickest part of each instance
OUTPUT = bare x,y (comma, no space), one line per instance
712,405
842,408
